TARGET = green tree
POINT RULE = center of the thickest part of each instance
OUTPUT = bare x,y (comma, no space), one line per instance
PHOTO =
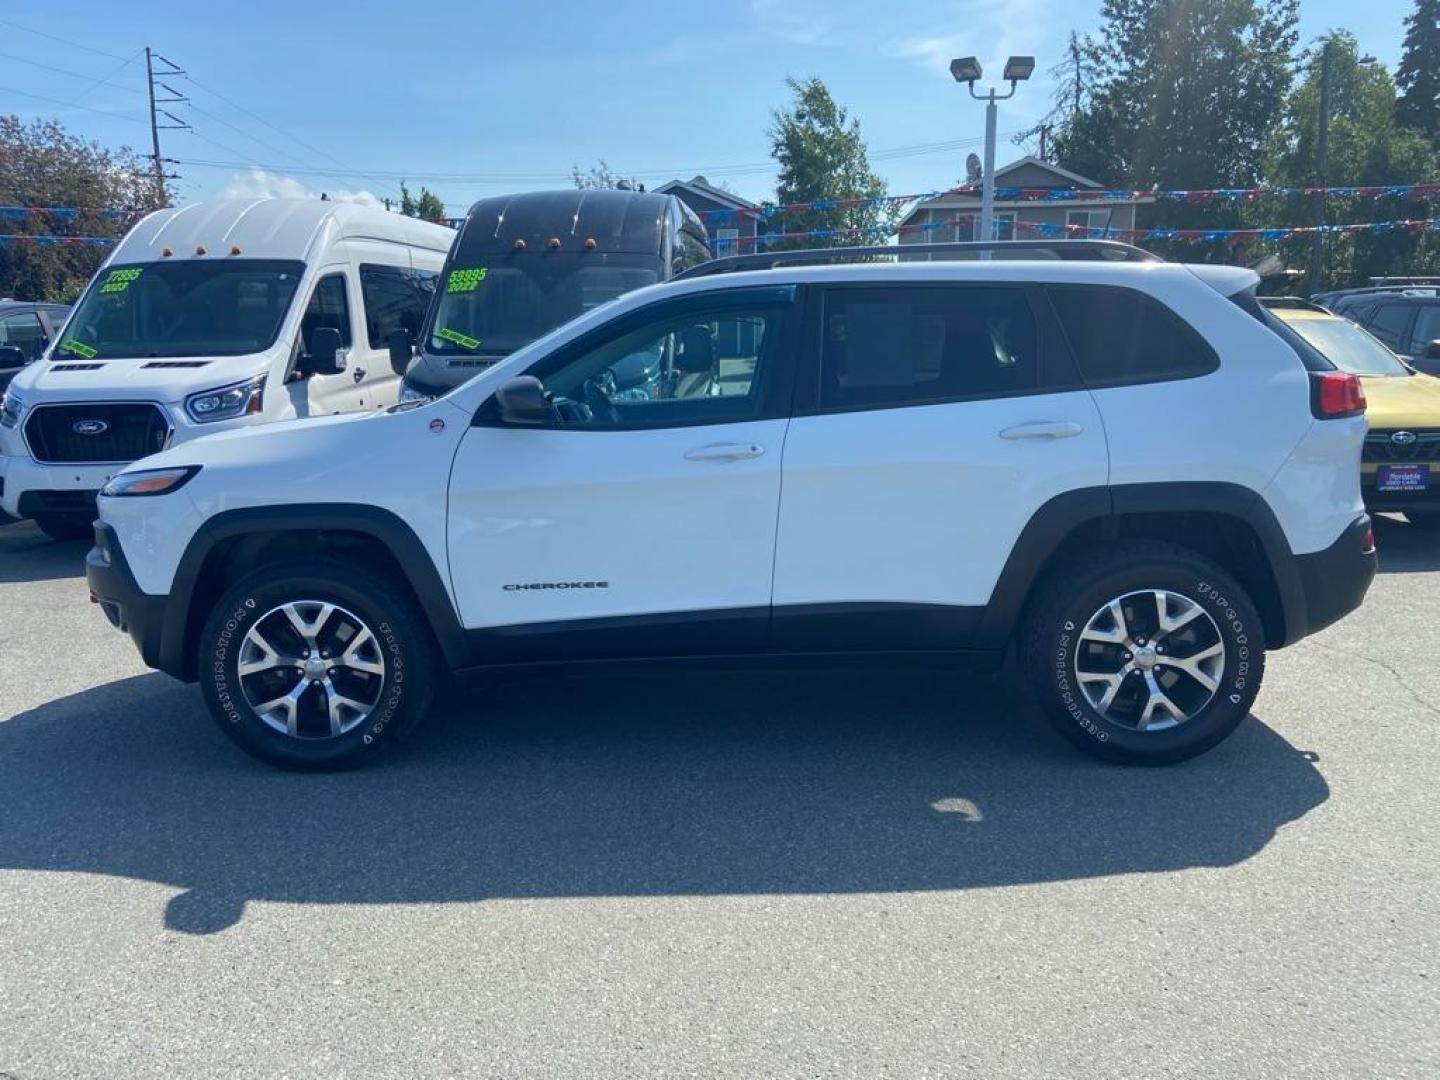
1366,147
822,156
41,165
602,176
1418,75
426,205
1184,92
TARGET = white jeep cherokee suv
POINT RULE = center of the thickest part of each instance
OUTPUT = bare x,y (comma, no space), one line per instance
1121,468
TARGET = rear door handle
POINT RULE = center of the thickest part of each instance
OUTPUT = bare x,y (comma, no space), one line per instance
725,451
359,373
1043,429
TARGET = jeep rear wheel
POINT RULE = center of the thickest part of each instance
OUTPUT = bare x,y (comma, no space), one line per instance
310,666
1146,653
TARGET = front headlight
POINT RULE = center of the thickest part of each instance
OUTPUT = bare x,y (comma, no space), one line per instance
409,393
227,402
148,482
12,410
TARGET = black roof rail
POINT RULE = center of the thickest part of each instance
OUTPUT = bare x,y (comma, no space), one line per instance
1378,290
1292,302
1079,250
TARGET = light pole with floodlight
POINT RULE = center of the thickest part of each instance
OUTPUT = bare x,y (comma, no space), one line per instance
967,70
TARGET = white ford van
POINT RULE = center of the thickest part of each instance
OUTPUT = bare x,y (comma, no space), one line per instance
208,317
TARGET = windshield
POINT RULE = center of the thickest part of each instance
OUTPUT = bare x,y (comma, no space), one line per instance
494,310
1345,345
192,308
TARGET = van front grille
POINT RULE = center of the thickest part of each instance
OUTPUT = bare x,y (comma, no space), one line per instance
101,433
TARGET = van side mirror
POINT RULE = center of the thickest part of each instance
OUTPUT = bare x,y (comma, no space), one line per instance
523,400
1432,351
326,355
12,356
401,351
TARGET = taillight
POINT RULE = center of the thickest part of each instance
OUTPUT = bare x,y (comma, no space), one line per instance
1334,394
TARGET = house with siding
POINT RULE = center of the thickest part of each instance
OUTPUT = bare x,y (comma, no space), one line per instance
956,215
730,234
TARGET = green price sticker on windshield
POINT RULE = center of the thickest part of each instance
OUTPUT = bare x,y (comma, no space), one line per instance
119,280
78,348
465,280
465,341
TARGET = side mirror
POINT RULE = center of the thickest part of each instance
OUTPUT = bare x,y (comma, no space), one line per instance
12,356
326,355
523,400
401,351
1432,351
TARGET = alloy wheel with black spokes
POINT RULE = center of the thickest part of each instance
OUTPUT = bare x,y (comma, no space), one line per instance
1144,652
1150,659
311,669
312,664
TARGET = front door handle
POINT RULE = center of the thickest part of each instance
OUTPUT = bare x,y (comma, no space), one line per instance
725,451
1043,429
359,373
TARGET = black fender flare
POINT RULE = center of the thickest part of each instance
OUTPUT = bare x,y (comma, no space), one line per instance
388,528
1056,520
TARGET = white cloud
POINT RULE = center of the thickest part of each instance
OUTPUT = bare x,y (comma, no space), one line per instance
800,22
995,30
259,184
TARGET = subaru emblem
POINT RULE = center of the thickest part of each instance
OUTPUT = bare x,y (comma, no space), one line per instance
92,427
1403,438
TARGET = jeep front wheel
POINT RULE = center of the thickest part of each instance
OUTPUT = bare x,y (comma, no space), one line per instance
311,666
1146,653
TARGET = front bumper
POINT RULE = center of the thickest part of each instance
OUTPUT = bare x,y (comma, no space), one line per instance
1334,581
28,488
137,613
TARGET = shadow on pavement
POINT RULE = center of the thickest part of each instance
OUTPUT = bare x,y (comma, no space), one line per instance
27,554
1405,548
682,782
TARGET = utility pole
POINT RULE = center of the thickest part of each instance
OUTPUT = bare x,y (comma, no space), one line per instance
1322,153
151,82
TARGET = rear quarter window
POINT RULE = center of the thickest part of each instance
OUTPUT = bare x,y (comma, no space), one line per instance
1123,336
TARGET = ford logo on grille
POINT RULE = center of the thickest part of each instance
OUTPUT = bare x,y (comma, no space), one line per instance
1400,438
99,427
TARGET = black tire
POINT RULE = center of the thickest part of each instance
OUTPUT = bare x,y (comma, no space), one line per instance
1124,571
66,526
1429,520
402,641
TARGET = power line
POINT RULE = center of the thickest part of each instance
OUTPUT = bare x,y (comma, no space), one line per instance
74,105
75,74
61,40
105,79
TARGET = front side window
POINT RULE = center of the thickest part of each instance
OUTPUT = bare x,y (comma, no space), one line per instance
1427,329
678,370
329,306
197,307
394,299
25,333
1390,323
689,251
1121,336
918,346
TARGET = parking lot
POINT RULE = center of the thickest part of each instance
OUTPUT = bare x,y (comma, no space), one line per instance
878,871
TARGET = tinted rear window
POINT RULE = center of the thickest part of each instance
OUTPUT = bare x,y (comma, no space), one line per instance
1121,336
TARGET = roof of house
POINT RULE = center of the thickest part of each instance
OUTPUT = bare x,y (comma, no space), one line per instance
701,186
1074,179
1064,178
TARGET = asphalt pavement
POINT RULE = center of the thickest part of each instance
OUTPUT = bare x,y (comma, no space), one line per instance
877,871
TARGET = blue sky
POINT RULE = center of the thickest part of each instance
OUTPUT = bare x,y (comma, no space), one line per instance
480,97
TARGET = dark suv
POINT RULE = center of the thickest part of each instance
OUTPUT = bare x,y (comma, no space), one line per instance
1404,315
25,329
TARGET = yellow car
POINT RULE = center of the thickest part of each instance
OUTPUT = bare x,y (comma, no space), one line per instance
1400,465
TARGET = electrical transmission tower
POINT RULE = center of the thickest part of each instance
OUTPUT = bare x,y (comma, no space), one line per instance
176,124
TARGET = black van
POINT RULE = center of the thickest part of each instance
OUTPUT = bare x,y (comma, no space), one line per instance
524,264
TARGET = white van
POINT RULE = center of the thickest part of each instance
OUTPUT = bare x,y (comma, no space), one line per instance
208,317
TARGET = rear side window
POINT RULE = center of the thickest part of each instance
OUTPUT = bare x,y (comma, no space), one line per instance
916,346
1390,324
1427,329
1122,336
